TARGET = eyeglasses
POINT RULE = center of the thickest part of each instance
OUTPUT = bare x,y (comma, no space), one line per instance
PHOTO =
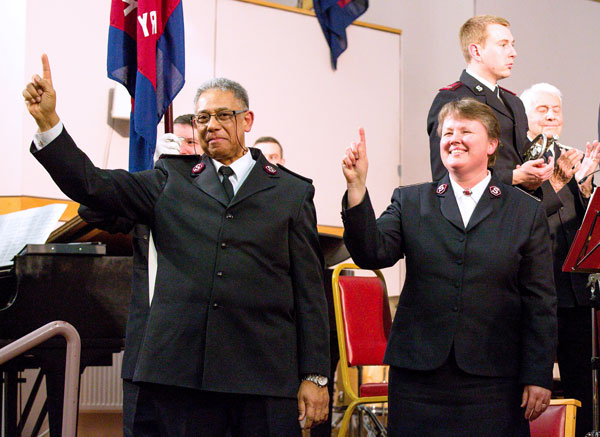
222,116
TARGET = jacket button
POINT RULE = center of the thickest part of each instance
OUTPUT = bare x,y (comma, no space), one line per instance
223,245
220,274
229,216
456,284
459,262
455,309
461,239
215,305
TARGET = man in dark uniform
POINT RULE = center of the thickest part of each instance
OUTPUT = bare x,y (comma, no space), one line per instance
543,103
488,48
237,336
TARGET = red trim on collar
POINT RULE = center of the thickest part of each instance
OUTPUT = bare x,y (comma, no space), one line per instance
508,91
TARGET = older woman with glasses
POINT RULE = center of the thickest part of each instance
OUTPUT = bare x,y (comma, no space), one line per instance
473,341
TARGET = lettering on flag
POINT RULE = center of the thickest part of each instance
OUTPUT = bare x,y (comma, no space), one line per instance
146,54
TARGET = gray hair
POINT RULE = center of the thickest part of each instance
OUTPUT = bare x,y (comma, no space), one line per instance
224,84
528,96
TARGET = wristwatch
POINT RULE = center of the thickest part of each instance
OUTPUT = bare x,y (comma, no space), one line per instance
320,380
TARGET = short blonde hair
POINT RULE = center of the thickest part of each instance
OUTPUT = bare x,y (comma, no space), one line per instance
475,31
471,109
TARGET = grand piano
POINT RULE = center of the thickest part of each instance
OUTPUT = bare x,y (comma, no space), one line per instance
92,293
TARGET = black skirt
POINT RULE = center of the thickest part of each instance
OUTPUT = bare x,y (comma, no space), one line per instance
450,402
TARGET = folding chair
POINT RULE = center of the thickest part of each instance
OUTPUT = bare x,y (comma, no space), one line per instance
363,322
557,421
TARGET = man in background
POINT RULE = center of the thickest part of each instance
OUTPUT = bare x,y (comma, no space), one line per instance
543,104
271,148
184,130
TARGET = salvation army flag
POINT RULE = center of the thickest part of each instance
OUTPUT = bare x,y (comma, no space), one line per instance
146,54
334,16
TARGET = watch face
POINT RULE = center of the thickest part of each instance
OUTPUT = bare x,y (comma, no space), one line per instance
322,380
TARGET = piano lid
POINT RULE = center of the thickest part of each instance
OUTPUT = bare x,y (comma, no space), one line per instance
78,230
332,244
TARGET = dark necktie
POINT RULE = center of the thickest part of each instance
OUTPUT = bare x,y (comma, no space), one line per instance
226,172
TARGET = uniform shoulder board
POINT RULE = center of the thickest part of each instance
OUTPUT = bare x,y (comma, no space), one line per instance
508,91
287,170
525,192
452,87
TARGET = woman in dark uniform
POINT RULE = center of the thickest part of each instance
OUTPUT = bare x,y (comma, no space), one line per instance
473,341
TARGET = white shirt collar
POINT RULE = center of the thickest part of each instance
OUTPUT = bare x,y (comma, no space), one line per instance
241,169
482,80
468,203
476,191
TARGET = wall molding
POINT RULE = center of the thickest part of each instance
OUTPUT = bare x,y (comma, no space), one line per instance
312,13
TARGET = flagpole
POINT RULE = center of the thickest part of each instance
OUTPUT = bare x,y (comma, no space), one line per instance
169,119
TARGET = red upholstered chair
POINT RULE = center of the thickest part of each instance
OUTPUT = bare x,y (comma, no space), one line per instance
363,322
557,421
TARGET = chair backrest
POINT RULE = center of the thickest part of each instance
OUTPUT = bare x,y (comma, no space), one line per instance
551,423
557,421
366,318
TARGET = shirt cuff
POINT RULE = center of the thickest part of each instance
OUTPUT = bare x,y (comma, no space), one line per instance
42,139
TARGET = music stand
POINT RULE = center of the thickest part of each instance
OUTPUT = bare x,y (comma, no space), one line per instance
584,257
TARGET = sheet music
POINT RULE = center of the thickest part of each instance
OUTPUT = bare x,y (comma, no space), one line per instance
30,226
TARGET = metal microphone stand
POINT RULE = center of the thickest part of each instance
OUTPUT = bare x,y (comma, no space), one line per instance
595,303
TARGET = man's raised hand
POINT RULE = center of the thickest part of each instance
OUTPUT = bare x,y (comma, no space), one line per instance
40,98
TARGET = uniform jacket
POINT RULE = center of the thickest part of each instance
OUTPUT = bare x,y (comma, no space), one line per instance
511,115
486,289
239,305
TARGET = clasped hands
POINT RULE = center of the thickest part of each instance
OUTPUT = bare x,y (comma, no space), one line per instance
571,163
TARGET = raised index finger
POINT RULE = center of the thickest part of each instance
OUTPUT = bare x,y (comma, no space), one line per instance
362,145
46,73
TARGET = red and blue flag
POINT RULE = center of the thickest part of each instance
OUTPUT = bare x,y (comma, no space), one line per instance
334,16
146,54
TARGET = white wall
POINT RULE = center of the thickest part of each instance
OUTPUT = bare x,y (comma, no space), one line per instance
12,74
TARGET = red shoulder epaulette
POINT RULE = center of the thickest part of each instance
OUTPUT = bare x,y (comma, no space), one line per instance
508,91
452,87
